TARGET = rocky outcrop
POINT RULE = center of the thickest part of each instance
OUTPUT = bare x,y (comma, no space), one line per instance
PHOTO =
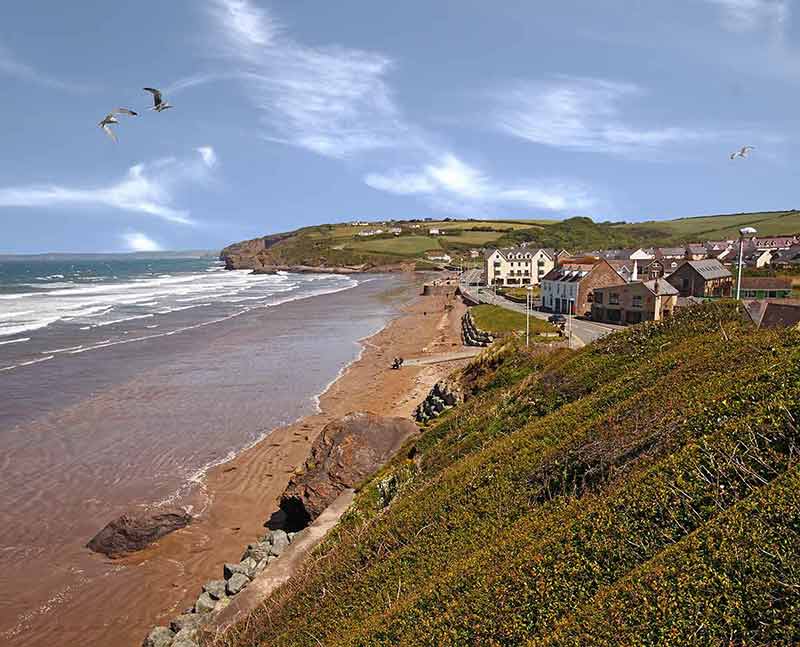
346,452
133,531
473,336
444,394
185,629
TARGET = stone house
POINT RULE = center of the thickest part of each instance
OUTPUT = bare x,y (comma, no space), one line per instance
705,279
517,266
569,288
634,302
696,252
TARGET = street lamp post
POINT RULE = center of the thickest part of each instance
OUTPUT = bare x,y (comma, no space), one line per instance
744,231
528,299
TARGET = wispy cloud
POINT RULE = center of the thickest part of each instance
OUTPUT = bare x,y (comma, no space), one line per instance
451,184
749,15
11,66
136,241
334,101
146,189
581,114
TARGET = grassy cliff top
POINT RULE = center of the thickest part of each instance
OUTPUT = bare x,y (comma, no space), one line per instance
643,490
341,244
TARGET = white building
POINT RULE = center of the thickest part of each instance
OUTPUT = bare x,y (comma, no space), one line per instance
444,258
517,266
395,230
434,231
370,232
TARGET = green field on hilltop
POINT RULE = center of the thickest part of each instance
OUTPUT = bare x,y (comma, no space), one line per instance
643,490
400,245
340,244
774,223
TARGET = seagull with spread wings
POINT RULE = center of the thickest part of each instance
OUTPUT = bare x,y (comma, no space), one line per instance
111,118
742,152
159,104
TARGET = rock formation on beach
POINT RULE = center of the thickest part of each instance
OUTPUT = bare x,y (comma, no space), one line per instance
136,530
346,452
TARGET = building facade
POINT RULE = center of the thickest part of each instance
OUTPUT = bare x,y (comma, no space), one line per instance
517,266
635,302
704,279
569,288
766,287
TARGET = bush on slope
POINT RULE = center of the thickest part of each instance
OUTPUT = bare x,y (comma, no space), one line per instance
558,478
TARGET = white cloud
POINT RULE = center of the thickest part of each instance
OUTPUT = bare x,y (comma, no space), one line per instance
334,101
146,188
748,15
581,114
136,241
12,66
453,185
208,154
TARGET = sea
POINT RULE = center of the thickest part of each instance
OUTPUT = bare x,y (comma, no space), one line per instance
123,380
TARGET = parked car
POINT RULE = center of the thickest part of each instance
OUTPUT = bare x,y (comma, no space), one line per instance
558,320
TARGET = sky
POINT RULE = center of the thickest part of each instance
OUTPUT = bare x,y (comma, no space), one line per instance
291,112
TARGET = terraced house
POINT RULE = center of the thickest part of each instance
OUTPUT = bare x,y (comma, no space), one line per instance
518,265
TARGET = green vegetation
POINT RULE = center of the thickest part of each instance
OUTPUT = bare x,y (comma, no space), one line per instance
400,245
340,244
643,490
519,294
497,320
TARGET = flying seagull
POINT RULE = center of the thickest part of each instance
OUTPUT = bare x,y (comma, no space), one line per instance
109,119
158,103
742,152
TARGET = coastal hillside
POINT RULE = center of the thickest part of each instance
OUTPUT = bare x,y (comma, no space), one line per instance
642,490
415,244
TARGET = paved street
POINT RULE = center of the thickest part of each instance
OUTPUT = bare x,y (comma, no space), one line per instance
583,332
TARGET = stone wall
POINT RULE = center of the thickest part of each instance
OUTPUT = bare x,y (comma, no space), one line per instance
444,395
471,334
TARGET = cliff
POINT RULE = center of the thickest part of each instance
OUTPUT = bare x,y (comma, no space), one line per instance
642,490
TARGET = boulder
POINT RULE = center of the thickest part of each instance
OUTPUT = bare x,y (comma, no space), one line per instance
249,567
205,603
237,583
279,541
346,452
135,530
228,570
184,642
257,551
215,588
159,637
186,622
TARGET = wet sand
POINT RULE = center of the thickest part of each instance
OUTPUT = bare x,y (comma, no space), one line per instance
237,497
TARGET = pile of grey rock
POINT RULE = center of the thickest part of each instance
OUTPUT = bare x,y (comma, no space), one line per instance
217,594
444,395
473,336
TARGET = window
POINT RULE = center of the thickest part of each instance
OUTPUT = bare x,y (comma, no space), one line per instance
613,298
685,284
637,301
598,297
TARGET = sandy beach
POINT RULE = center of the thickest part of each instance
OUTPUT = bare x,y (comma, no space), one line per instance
237,497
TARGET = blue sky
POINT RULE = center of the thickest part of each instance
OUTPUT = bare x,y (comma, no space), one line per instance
290,113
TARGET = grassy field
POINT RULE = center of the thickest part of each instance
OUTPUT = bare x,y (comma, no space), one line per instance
644,490
726,227
498,321
400,245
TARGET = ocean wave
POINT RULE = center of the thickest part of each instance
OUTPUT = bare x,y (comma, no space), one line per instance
28,363
51,276
20,340
7,331
116,321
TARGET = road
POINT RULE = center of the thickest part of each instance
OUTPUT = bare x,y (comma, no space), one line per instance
583,332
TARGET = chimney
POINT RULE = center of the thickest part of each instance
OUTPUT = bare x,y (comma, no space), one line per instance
655,286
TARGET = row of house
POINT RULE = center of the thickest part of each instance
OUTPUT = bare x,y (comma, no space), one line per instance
519,266
605,291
